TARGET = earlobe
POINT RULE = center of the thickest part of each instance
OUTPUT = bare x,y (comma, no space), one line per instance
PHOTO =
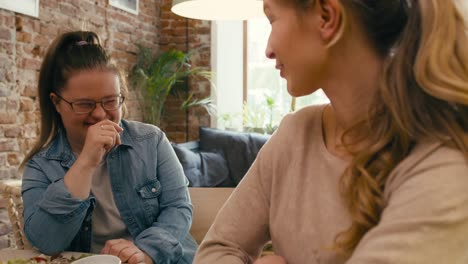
330,19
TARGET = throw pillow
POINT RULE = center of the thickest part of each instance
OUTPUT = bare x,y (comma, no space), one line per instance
204,169
239,148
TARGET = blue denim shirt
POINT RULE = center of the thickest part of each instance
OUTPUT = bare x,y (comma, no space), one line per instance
149,189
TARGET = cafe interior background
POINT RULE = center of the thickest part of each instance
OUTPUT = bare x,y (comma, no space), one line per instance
244,91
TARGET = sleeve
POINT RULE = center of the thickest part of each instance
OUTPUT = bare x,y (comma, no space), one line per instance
241,228
163,240
52,216
426,219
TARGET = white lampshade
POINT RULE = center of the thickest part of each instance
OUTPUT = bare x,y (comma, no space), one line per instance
218,9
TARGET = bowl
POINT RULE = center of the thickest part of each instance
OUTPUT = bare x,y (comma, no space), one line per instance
99,259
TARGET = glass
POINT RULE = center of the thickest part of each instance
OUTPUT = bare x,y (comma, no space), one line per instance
87,106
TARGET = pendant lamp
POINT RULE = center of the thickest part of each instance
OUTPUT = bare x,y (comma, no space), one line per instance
218,9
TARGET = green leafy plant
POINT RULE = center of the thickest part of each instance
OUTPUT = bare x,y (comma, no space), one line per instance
261,118
225,120
158,77
270,104
253,118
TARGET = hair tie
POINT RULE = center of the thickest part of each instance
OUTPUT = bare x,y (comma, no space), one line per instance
81,43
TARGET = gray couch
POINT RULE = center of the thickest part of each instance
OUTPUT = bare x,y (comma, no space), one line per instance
220,158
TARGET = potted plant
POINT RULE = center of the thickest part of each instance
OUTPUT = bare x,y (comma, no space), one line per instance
260,118
157,77
253,118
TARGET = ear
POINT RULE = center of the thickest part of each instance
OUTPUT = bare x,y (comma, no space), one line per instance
331,15
55,100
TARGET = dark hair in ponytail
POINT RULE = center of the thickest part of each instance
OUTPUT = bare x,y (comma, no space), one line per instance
71,52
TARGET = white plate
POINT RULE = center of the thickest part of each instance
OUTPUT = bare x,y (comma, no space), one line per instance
99,259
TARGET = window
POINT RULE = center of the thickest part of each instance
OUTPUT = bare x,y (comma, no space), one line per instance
27,7
250,92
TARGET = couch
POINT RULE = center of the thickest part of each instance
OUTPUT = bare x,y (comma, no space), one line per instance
219,158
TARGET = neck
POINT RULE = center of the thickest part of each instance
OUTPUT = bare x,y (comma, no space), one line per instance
351,91
76,147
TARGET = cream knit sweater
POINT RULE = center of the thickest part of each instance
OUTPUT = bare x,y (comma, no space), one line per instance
290,195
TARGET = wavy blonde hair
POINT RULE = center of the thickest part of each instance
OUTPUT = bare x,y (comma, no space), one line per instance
423,93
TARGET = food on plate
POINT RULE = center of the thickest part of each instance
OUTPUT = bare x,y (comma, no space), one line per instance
43,259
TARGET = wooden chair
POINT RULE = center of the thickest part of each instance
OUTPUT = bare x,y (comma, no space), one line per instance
11,192
206,204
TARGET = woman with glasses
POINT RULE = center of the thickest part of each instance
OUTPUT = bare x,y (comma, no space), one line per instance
95,182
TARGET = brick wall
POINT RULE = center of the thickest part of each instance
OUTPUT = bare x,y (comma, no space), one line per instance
23,43
174,33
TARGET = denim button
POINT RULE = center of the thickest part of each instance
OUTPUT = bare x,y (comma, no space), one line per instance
153,189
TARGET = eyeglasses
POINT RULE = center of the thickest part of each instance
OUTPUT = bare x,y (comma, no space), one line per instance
87,106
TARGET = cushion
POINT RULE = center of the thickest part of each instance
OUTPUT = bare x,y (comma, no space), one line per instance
240,149
204,169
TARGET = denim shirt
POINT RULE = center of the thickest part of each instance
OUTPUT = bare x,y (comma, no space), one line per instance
149,189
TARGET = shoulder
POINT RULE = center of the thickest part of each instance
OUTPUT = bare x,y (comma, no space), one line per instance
430,163
300,127
425,200
304,116
57,149
429,156
140,131
296,133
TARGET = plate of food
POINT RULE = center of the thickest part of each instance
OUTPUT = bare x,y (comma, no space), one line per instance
34,257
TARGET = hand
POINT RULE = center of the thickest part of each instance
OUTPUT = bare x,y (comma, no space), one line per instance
271,259
100,139
126,251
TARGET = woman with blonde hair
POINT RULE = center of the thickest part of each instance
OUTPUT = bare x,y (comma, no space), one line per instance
379,175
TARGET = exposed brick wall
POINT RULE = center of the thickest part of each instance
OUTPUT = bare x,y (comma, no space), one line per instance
23,43
175,31
24,40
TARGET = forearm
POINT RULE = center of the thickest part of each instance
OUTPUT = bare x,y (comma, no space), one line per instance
49,233
163,240
215,251
241,227
78,179
52,216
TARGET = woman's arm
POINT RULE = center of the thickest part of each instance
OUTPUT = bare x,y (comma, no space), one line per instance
52,216
241,228
55,211
163,240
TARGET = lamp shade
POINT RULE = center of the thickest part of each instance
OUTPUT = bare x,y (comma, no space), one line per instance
218,9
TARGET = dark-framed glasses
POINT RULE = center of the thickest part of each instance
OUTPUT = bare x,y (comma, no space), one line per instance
87,106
